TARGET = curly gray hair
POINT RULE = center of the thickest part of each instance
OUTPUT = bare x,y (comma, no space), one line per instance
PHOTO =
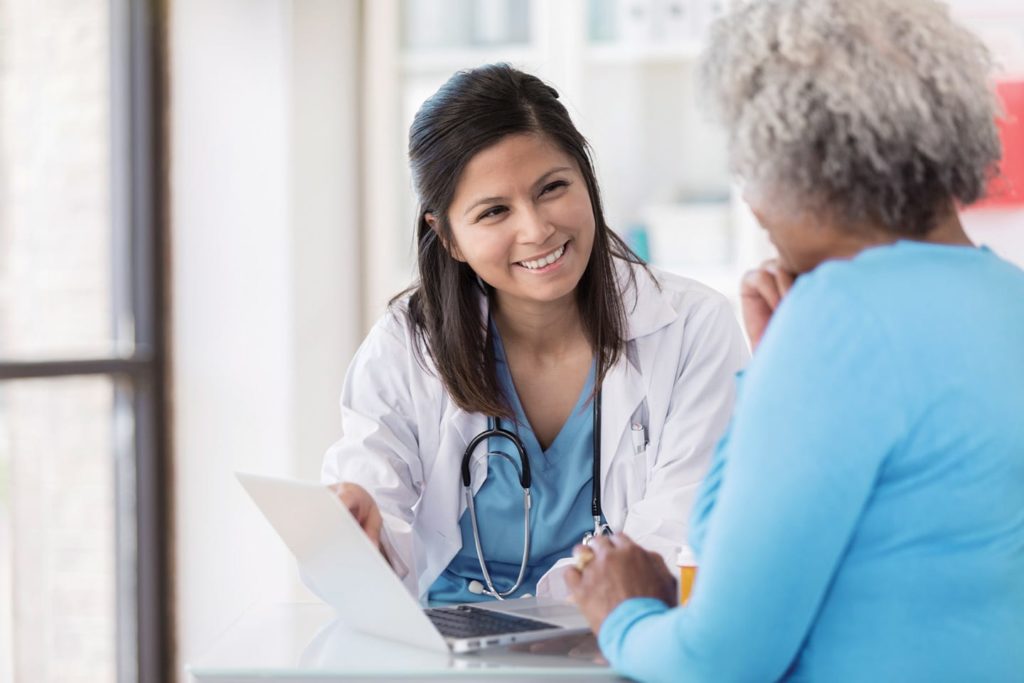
879,110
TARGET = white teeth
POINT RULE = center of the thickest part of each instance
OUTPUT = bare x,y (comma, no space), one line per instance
546,261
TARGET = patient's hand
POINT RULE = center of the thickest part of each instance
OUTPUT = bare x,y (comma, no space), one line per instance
619,570
362,506
761,292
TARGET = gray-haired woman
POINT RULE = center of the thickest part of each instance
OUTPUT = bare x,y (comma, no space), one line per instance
864,518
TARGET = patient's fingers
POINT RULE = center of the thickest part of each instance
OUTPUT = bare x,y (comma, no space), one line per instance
621,540
600,545
762,283
783,278
582,555
761,292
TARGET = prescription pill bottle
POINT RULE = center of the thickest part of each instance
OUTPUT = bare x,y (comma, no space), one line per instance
687,562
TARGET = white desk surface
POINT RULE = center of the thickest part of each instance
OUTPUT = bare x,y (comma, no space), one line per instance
303,642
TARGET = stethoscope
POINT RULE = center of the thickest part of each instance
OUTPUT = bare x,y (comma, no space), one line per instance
494,430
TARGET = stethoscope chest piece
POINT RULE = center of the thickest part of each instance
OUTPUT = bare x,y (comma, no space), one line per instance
600,529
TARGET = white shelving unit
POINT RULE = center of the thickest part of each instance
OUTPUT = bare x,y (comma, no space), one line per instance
448,61
634,99
612,54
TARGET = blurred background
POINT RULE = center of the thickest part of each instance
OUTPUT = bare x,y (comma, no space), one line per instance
204,205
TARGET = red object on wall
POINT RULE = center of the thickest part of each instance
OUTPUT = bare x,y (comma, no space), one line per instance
1007,190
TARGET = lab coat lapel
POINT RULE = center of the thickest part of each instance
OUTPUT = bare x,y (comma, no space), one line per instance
625,386
622,393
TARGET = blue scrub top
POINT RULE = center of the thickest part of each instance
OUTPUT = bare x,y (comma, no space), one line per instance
560,507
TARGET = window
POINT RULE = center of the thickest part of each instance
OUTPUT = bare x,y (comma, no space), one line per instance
82,362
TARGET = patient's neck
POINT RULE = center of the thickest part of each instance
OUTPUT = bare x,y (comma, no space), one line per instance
948,230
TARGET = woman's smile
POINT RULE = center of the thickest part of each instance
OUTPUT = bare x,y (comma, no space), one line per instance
545,263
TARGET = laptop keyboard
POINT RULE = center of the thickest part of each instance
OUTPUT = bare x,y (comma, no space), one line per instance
464,621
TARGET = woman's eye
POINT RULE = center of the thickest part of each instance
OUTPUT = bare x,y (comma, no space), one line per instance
551,187
491,212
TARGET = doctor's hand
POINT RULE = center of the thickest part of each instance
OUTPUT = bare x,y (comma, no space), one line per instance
362,506
618,571
761,292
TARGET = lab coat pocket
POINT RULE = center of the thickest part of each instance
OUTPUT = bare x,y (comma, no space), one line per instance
637,470
636,482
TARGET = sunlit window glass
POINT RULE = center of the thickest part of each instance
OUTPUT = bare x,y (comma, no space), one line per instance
58,615
55,230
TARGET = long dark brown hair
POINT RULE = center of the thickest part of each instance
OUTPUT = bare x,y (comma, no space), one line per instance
474,110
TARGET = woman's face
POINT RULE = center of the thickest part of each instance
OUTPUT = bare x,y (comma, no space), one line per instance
522,219
803,239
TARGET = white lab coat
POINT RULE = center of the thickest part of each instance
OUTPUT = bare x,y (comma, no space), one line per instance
404,438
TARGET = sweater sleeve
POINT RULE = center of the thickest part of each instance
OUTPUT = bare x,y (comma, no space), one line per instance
819,410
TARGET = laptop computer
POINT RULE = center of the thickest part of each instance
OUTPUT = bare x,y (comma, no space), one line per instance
354,578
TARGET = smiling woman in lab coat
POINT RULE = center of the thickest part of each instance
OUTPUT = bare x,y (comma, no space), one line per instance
528,307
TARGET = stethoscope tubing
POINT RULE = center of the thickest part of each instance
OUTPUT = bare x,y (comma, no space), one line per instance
494,430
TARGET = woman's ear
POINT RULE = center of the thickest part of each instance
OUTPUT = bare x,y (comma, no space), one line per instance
450,247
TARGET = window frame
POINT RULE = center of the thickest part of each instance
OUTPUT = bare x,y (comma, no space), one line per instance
138,151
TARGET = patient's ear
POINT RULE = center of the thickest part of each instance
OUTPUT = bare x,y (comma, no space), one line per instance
450,247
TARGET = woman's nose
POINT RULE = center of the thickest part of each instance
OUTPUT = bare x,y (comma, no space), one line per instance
534,227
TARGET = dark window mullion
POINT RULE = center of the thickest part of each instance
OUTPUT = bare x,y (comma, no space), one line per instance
134,366
153,483
139,311
123,333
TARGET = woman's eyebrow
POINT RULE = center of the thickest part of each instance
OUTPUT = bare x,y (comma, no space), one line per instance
544,177
485,200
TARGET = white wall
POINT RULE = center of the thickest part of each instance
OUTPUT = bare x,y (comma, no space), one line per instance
1002,230
326,261
265,279
1001,24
